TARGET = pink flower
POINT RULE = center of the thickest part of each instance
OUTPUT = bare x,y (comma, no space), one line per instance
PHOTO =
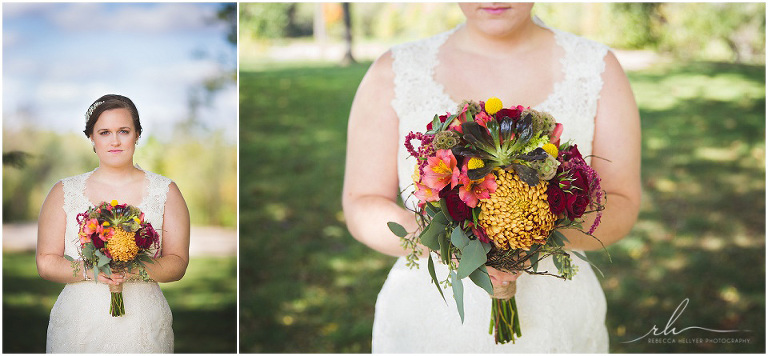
105,233
425,194
460,119
471,191
441,170
482,118
554,138
90,227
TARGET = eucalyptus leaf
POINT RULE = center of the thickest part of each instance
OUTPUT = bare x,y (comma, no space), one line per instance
431,268
440,218
397,229
103,259
69,258
445,247
431,210
429,236
535,261
584,257
444,208
458,294
459,239
527,174
486,247
561,235
481,278
88,252
472,257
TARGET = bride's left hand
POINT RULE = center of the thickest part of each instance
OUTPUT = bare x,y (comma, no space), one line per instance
500,278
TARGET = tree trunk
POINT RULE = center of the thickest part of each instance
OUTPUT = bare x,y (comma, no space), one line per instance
348,58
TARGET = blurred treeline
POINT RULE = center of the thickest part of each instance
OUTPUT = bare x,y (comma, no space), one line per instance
203,165
691,31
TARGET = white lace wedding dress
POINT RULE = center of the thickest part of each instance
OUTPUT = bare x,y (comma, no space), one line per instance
556,316
80,321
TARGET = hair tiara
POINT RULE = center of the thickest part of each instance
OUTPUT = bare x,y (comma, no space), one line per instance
91,109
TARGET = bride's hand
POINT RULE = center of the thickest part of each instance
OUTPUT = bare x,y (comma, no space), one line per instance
499,278
114,279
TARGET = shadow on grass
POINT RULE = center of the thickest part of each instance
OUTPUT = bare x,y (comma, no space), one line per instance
308,286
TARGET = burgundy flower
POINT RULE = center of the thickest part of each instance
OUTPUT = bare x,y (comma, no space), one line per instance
556,199
513,114
580,182
576,205
457,209
146,236
97,241
479,233
572,153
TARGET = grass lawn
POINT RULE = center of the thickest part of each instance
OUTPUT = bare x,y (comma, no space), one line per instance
308,286
204,305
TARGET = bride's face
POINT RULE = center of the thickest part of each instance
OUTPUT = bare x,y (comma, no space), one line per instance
114,137
497,19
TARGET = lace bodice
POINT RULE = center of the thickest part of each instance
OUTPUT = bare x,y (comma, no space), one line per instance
418,97
75,202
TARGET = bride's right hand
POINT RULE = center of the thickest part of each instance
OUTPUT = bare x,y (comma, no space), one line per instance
500,278
114,279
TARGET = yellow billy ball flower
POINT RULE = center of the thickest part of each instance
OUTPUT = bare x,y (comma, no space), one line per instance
122,246
113,202
493,105
551,149
516,215
475,163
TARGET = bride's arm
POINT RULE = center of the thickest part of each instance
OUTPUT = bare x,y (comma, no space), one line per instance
370,177
51,228
617,139
173,261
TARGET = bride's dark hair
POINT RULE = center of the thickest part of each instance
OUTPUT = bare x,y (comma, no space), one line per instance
109,102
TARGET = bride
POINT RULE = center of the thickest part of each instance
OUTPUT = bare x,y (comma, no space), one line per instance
80,321
500,51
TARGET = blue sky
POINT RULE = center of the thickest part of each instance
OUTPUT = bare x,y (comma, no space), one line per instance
59,57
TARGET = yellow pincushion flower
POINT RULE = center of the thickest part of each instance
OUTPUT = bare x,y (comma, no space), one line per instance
516,215
493,105
122,246
475,163
551,149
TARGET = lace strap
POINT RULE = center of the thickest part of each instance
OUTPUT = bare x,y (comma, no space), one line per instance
157,190
74,188
584,64
413,66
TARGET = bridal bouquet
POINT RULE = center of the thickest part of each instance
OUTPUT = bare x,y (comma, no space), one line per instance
495,188
114,238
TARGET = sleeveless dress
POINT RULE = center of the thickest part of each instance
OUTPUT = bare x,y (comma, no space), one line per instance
80,321
556,316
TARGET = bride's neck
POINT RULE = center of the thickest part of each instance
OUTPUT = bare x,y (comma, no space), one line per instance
117,175
513,41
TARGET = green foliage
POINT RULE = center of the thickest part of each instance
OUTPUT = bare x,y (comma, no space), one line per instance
264,20
203,303
308,286
703,31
